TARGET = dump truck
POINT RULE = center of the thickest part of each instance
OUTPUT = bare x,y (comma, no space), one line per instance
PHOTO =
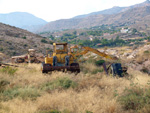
61,59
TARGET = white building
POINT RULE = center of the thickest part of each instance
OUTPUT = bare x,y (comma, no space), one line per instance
124,30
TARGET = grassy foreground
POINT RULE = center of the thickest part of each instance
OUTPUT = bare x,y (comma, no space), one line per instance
27,90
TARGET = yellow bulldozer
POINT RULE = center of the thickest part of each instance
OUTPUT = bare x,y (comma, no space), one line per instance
63,58
59,60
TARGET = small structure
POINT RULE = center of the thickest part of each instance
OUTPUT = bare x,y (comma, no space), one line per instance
123,30
91,39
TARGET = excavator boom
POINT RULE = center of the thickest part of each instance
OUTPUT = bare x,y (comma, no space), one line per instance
99,53
88,49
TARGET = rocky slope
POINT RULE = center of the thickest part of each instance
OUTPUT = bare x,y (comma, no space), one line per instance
15,41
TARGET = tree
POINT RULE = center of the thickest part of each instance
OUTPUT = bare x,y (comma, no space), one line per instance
44,41
148,38
134,31
75,32
52,37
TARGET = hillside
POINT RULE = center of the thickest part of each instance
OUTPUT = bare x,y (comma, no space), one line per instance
114,10
22,20
110,11
15,41
132,16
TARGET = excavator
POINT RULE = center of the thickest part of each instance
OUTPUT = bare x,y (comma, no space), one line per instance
61,59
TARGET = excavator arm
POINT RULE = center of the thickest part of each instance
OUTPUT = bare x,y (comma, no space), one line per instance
102,54
88,49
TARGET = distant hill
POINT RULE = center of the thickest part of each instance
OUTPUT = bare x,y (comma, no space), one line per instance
113,10
127,16
110,11
15,41
22,20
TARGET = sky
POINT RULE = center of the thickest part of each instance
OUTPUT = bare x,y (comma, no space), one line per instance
51,10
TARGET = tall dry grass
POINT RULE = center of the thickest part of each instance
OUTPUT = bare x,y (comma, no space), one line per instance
97,93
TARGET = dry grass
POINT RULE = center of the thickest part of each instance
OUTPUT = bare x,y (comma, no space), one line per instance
142,56
97,93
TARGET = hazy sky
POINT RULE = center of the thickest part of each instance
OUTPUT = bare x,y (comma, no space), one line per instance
51,10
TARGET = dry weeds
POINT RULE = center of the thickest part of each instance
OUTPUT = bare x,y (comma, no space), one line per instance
97,93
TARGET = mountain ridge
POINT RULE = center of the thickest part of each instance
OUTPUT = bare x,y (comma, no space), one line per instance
97,19
22,20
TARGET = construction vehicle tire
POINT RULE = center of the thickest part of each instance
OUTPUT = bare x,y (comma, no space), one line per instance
116,69
77,68
42,66
66,60
54,61
74,64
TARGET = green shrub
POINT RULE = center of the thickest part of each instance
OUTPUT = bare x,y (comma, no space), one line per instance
24,93
25,45
89,112
97,70
146,52
24,37
135,98
3,84
59,83
1,49
8,70
50,111
99,62
44,41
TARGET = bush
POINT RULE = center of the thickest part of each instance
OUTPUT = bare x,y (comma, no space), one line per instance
59,83
146,52
96,71
25,45
99,62
24,93
135,98
8,70
90,67
44,41
24,37
1,49
3,84
50,111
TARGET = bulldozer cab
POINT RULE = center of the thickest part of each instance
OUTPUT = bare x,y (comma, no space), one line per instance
60,48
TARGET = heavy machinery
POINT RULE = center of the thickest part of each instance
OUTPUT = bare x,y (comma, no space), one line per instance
59,60
62,59
3,65
30,57
114,68
75,52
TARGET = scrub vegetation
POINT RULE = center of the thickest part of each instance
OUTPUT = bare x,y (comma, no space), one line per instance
27,90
